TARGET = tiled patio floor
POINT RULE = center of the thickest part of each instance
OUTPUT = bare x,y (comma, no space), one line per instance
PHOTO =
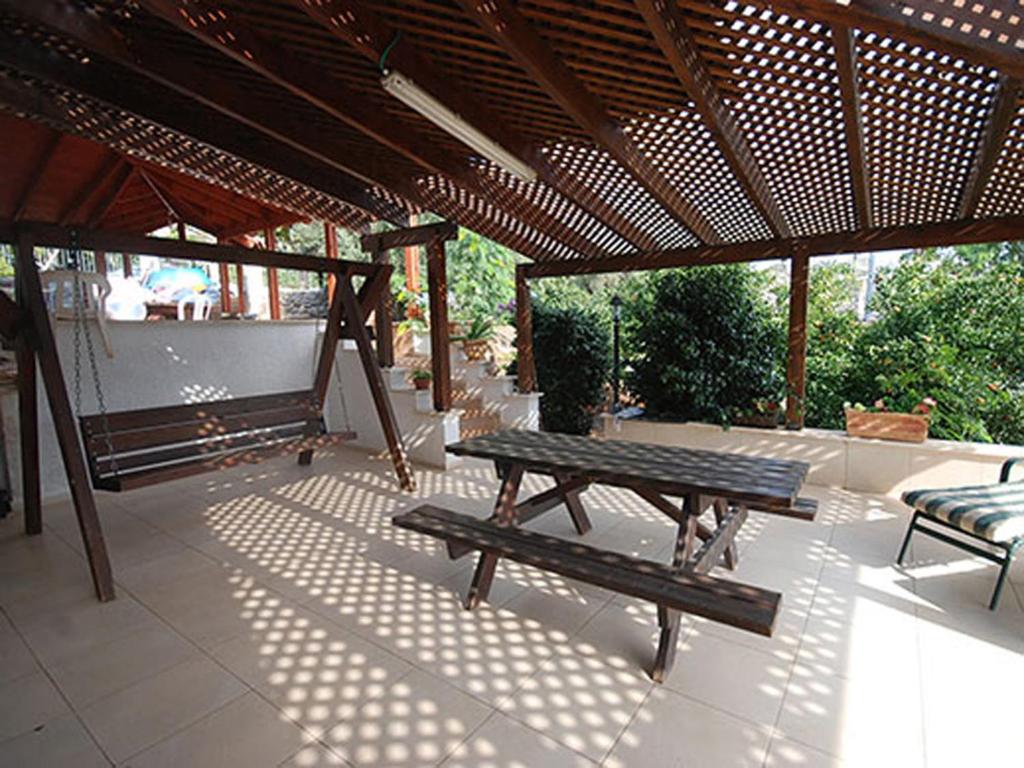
272,616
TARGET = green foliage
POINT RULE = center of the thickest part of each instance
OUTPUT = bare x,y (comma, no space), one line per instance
480,328
571,348
703,344
481,276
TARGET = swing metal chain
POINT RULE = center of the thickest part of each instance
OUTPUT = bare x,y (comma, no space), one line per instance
81,323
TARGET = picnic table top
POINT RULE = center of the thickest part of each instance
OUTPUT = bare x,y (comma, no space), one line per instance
671,470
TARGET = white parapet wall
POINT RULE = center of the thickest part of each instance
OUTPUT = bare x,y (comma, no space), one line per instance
836,459
167,363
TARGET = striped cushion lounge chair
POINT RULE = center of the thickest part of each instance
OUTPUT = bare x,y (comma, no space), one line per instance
992,514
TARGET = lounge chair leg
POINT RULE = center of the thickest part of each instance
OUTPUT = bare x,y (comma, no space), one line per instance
906,539
1004,571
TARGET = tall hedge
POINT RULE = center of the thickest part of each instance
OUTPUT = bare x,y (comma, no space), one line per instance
704,343
571,347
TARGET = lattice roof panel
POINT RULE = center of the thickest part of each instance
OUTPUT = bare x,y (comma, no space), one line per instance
1004,193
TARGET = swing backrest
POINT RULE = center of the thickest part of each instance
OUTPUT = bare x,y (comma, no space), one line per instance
132,449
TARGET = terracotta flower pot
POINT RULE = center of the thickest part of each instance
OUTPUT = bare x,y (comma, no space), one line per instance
901,427
421,384
475,349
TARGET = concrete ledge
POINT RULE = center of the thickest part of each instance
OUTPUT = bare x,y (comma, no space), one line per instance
836,459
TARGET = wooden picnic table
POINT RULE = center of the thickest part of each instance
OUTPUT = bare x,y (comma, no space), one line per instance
727,484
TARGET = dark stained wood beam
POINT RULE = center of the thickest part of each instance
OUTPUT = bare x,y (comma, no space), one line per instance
967,30
440,332
796,356
997,126
678,44
503,22
201,125
306,79
853,122
37,174
948,233
406,236
357,24
11,318
120,180
526,366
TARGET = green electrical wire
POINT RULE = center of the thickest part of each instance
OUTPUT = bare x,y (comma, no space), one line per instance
387,51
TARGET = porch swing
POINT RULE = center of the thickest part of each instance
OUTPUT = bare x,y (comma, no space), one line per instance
133,449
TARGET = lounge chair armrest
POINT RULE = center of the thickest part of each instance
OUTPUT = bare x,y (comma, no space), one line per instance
1004,473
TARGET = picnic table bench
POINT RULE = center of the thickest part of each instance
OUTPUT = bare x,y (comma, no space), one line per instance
726,484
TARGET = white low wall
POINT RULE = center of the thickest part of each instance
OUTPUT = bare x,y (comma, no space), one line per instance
837,460
166,363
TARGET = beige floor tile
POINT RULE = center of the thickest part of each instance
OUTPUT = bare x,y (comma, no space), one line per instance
104,669
949,590
163,572
58,743
418,721
317,673
26,703
246,733
671,730
874,718
743,682
566,612
784,753
137,717
581,698
315,756
505,743
15,658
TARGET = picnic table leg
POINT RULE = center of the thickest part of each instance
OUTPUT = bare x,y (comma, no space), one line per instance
505,513
731,556
669,620
572,501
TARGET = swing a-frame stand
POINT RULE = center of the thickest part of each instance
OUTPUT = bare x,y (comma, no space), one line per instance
26,323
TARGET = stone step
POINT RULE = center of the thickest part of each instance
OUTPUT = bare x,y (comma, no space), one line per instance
474,426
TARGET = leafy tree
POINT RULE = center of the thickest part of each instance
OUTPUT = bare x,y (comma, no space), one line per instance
704,343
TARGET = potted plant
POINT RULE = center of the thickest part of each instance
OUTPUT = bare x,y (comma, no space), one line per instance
763,414
883,424
421,379
476,338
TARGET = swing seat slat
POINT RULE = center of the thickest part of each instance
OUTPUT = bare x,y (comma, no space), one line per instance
133,449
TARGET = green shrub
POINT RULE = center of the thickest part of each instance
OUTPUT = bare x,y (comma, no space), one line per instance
571,347
703,344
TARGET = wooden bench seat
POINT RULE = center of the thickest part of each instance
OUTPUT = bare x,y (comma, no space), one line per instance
132,449
728,602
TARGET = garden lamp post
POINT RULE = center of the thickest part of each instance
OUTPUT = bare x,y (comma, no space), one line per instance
616,320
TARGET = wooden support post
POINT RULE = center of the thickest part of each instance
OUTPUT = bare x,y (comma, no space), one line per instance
240,282
355,326
101,262
412,262
796,368
126,264
273,285
526,369
331,247
440,357
382,319
63,419
225,289
504,512
670,620
181,230
28,421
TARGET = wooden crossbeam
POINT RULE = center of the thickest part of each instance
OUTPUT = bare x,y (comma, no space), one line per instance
953,28
861,241
997,126
853,122
201,125
406,236
369,34
678,44
503,22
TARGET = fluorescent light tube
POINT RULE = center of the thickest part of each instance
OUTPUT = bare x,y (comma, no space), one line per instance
414,97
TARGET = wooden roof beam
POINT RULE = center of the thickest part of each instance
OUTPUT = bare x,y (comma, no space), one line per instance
958,29
862,241
307,80
37,174
199,124
997,126
357,24
90,189
123,176
514,34
846,64
400,238
677,42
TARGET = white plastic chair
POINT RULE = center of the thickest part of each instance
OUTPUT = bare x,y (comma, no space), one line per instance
95,289
201,306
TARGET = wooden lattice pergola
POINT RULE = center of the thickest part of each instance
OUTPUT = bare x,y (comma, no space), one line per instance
642,133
